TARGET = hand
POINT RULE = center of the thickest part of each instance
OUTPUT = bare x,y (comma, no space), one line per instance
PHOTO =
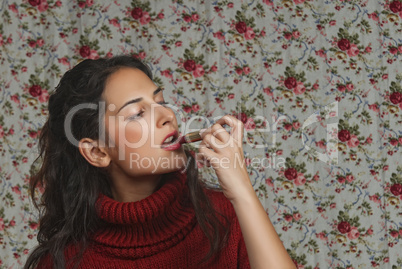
224,152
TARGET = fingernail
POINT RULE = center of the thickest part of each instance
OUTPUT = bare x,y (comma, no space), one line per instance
201,131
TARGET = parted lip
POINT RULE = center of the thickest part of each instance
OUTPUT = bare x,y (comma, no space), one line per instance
174,134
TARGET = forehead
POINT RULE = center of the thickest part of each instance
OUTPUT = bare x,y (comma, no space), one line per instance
127,83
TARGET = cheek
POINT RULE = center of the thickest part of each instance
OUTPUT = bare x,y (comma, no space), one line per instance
123,134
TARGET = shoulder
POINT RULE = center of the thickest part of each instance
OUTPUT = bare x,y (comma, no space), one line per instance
220,202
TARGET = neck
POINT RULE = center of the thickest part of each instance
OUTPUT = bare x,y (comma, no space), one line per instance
135,189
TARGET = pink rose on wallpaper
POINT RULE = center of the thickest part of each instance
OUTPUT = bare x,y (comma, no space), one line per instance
15,98
395,6
40,42
350,178
394,142
290,83
166,73
268,91
320,53
1,224
32,43
288,36
93,55
296,216
288,218
374,107
35,90
34,3
13,8
353,233
241,27
187,18
249,33
300,89
195,17
1,132
178,43
269,182
394,234
296,125
341,88
219,35
300,179
353,142
344,135
63,61
196,107
395,98
142,55
291,173
44,97
85,51
296,34
373,16
350,87
393,50
341,180
288,126
115,22
246,70
239,71
198,71
189,65
396,189
320,144
89,2
145,18
344,227
43,6
242,117
344,44
353,50
268,2
231,95
250,124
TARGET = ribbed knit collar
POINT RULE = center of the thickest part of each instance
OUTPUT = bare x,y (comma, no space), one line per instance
150,225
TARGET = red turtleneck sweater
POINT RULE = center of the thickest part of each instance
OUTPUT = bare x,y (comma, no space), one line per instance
159,231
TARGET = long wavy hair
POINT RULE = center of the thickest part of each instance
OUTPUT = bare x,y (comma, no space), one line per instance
71,185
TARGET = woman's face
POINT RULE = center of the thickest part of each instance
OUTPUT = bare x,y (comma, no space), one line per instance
136,123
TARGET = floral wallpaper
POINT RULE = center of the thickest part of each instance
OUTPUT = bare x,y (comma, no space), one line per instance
317,85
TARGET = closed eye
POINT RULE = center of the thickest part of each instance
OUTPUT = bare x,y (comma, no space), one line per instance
133,117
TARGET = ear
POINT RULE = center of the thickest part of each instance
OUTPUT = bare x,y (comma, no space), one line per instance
95,155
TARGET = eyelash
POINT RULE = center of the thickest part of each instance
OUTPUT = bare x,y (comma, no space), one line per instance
142,112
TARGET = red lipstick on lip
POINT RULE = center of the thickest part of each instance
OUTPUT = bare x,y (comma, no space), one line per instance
174,144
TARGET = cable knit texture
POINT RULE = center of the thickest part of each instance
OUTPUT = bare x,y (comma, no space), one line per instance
160,231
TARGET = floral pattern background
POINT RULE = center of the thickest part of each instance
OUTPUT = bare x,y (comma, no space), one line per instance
270,63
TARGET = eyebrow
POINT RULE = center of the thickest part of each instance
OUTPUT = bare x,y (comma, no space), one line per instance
138,99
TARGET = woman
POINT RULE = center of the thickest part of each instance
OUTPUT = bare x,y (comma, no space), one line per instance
118,193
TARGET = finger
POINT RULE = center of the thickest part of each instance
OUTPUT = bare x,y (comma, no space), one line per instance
237,127
219,132
207,153
214,143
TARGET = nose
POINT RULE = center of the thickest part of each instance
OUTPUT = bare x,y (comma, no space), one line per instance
164,115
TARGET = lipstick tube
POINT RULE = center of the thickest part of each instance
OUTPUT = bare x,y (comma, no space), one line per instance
190,137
